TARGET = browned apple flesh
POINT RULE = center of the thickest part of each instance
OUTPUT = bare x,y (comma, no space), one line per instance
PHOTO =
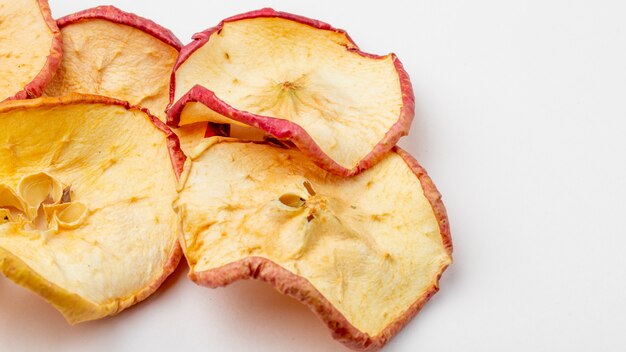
30,48
86,220
365,253
297,79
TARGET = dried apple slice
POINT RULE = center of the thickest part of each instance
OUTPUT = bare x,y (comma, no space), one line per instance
109,52
30,47
364,253
81,224
296,79
117,54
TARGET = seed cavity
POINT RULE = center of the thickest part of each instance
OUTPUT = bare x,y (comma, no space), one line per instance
39,188
41,202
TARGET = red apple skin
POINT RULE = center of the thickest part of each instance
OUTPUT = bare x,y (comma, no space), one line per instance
115,15
302,290
36,87
173,143
284,129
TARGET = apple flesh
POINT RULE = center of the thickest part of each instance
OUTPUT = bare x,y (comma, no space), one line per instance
364,253
30,47
117,54
85,205
294,79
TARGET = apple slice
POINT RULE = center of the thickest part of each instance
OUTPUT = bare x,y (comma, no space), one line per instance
113,53
30,47
81,223
295,79
364,253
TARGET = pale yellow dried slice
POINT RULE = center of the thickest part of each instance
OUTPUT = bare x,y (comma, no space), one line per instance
297,79
117,54
30,48
85,205
363,252
109,52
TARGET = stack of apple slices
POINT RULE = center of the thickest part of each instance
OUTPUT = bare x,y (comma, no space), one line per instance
300,183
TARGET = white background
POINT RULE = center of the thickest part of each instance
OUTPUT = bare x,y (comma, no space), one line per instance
521,123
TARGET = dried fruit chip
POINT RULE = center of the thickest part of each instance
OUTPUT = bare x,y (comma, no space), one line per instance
113,53
297,79
30,47
80,223
364,253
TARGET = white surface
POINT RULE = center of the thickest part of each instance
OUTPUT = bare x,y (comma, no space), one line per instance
520,121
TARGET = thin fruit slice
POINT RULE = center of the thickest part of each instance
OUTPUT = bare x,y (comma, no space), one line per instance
296,79
364,253
85,206
117,54
114,53
30,48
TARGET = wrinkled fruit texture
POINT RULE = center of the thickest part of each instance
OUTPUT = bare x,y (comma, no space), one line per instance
339,104
113,53
372,245
85,206
30,48
120,60
117,54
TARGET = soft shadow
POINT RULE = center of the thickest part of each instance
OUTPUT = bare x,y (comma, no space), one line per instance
418,140
448,281
261,312
25,314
